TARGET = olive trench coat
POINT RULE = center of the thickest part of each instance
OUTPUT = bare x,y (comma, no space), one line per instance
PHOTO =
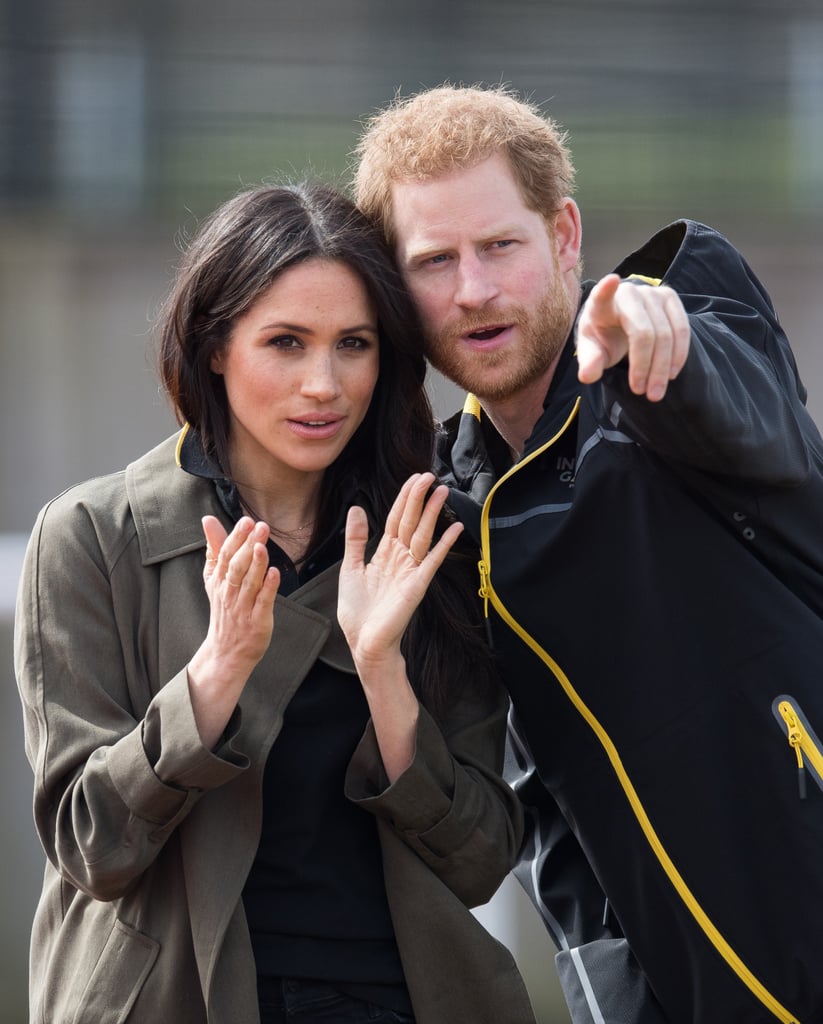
150,837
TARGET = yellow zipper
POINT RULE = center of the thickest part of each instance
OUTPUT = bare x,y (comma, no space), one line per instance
801,742
488,593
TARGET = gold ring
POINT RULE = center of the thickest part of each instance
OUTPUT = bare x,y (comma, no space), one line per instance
413,556
231,583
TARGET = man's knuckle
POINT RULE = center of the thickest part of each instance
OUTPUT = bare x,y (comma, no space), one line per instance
642,337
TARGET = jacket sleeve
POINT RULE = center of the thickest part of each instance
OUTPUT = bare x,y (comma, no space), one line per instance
451,806
737,407
112,779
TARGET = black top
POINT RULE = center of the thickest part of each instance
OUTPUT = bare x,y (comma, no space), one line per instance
315,898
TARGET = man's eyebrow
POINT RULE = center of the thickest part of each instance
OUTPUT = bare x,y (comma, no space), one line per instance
422,252
433,248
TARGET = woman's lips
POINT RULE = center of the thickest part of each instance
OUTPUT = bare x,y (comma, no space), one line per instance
316,427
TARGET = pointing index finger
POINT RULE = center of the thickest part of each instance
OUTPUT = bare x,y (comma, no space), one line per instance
595,330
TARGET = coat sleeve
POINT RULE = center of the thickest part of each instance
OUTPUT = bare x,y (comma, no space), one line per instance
451,806
737,407
115,769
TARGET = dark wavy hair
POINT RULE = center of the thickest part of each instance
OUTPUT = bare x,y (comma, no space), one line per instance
237,254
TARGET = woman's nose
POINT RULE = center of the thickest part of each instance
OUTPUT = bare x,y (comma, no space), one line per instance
320,380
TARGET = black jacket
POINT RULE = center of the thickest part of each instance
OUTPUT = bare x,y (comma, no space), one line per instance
655,591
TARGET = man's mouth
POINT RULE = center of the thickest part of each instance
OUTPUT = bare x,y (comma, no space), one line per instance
487,334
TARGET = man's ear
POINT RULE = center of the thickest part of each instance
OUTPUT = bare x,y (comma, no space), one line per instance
568,232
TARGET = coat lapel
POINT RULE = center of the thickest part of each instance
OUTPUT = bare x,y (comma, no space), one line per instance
220,836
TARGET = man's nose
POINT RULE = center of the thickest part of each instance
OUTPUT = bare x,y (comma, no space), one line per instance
475,284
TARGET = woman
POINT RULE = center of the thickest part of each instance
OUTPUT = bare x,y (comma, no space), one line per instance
251,811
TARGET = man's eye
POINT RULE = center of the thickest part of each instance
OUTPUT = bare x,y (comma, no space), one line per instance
440,258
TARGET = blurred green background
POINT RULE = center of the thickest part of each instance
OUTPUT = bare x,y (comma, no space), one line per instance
122,124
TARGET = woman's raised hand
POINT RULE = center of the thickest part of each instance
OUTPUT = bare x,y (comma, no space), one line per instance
241,588
377,598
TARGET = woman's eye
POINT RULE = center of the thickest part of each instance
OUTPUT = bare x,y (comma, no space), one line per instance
284,341
355,344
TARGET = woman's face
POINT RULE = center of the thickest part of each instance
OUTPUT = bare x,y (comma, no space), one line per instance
300,369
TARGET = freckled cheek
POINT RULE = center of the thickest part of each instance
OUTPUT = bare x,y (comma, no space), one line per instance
363,392
241,388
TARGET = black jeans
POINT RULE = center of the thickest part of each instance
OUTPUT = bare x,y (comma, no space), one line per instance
288,1000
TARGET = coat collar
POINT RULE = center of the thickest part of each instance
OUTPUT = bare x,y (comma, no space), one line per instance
168,503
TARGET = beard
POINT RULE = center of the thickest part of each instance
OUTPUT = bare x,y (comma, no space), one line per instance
501,373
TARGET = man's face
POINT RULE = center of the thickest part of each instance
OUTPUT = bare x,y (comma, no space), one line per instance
496,287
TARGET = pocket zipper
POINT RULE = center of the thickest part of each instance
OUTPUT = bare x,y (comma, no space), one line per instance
802,740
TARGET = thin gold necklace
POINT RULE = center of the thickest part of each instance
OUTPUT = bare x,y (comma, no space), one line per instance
280,533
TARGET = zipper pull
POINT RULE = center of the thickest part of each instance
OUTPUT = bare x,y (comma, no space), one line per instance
795,738
484,585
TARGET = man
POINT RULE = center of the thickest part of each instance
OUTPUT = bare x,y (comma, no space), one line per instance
646,487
